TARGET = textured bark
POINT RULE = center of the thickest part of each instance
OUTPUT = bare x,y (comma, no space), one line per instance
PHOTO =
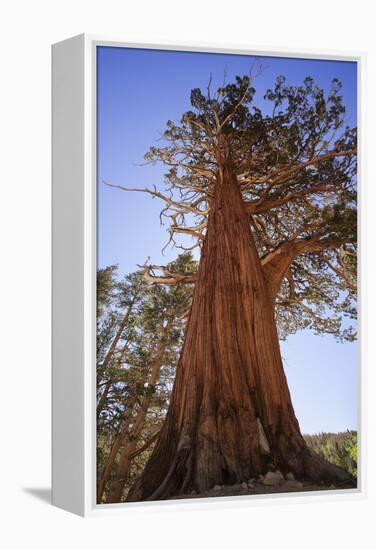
230,413
276,264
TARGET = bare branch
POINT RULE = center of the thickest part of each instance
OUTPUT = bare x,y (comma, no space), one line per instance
167,277
276,263
259,206
179,206
145,445
284,173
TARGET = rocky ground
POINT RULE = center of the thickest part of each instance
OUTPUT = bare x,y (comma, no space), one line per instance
271,483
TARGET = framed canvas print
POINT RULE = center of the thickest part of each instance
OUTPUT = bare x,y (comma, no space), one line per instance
205,253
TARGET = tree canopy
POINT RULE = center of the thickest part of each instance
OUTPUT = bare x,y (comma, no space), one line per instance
295,165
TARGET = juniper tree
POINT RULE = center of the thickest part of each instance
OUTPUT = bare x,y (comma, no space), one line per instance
270,201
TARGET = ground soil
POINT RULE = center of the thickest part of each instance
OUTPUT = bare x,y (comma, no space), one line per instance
260,489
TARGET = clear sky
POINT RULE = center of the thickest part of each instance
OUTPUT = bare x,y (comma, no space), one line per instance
138,91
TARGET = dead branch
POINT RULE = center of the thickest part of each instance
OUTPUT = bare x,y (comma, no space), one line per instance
284,173
179,206
260,206
167,277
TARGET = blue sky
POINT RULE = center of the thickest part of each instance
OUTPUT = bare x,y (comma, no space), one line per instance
138,91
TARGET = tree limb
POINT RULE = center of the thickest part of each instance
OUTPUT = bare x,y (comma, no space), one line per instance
280,175
168,278
144,446
276,263
259,206
180,206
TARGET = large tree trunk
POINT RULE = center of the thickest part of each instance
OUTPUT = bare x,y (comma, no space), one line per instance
230,414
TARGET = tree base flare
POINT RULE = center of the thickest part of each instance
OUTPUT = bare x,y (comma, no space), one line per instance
323,476
208,464
230,414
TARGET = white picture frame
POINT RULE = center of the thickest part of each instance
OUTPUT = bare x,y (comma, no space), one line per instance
74,269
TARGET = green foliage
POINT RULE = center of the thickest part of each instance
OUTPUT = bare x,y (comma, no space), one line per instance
126,376
296,171
124,381
105,283
296,165
340,449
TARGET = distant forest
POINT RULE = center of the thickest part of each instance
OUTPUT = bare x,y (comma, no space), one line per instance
340,448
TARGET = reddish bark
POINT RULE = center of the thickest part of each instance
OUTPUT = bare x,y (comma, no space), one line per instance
230,413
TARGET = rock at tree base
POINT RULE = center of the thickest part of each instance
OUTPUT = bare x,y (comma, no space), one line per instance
273,478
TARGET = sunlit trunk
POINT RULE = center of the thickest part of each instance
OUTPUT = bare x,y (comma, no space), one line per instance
230,414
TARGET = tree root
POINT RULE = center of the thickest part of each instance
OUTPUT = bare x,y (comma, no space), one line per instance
319,470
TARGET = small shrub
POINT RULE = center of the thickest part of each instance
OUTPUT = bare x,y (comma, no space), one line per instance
340,448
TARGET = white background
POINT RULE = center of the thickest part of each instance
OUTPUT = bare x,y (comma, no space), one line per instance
27,30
